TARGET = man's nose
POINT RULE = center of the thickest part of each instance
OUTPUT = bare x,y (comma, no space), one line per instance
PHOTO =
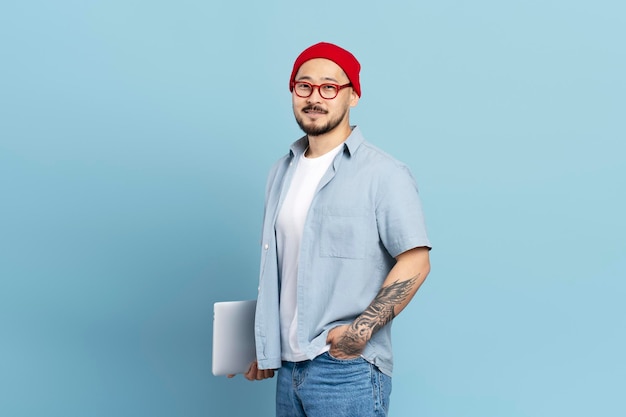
315,95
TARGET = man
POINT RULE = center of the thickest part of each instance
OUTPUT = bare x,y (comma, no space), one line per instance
344,251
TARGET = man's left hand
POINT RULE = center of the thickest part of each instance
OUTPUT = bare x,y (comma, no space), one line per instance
344,344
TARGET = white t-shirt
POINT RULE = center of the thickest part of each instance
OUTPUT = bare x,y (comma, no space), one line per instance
289,227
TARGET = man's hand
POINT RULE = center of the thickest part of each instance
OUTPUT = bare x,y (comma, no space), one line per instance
349,341
256,374
344,344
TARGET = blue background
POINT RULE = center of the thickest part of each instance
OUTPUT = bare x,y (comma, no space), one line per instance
135,137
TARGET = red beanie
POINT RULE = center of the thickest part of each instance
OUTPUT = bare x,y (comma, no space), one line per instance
339,56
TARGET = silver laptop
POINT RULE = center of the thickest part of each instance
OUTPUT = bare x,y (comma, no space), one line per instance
233,336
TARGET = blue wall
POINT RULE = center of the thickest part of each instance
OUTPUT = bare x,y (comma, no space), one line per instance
135,137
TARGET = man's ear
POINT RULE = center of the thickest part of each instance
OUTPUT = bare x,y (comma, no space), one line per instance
354,98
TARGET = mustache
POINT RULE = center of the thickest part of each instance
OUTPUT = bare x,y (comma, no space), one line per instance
313,107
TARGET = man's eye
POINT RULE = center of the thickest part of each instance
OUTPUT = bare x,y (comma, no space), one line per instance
302,86
329,87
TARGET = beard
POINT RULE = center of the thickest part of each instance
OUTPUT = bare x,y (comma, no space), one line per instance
313,130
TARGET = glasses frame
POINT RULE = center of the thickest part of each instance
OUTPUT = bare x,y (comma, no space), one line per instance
319,91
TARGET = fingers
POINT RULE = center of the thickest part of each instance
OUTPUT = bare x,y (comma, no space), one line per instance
256,374
264,374
252,371
329,337
334,332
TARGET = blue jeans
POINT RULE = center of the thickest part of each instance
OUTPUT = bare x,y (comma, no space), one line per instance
327,386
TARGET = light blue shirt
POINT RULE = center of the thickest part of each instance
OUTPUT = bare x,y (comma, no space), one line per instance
365,212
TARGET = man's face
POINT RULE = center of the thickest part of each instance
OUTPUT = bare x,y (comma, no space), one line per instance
315,115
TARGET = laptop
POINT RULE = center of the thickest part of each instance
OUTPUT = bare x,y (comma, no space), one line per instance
233,337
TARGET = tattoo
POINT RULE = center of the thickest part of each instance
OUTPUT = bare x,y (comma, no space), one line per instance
377,315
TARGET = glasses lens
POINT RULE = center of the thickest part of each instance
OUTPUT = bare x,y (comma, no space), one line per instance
303,89
328,90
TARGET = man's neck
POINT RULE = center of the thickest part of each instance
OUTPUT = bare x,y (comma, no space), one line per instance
320,145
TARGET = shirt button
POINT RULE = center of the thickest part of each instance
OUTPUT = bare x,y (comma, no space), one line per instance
266,246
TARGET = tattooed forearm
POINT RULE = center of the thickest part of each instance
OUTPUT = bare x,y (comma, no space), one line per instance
378,314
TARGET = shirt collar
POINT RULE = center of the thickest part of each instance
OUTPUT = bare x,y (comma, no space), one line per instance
352,143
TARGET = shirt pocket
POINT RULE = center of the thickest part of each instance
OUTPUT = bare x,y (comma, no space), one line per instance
343,233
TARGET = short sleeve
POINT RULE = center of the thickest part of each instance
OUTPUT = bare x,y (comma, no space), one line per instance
399,214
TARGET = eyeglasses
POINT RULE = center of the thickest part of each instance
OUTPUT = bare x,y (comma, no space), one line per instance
327,91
